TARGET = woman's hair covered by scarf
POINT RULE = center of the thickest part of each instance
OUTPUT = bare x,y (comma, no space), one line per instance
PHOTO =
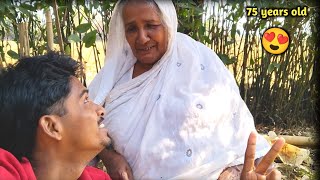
117,43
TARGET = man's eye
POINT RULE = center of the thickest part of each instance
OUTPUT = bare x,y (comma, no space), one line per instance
86,100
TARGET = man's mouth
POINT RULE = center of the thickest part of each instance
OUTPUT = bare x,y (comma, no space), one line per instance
274,47
100,124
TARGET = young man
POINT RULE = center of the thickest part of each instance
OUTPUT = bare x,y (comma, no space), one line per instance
49,129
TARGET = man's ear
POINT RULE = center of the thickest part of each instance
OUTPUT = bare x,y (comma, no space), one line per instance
51,126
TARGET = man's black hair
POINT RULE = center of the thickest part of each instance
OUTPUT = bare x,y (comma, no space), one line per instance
33,87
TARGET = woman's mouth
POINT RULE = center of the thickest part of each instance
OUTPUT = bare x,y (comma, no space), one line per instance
146,48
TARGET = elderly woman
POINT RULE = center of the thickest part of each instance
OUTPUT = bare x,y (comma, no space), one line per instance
173,110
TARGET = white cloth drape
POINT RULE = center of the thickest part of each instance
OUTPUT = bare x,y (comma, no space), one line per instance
184,118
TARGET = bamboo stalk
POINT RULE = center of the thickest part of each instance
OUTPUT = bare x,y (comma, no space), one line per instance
301,141
26,40
23,46
21,34
49,30
1,65
57,22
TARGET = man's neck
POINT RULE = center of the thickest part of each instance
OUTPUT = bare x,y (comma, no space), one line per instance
49,165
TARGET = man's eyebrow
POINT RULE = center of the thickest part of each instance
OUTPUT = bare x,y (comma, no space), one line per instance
83,92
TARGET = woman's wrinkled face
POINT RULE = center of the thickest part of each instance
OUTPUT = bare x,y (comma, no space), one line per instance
145,32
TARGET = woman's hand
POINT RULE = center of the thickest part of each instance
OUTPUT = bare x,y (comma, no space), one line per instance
117,167
261,171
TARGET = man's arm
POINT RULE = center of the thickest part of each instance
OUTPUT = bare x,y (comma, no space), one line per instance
117,166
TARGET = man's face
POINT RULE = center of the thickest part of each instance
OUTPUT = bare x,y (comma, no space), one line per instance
82,120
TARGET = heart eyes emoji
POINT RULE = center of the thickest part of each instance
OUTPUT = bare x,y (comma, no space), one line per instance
281,39
275,40
269,36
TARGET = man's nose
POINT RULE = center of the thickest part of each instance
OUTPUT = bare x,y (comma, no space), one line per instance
100,111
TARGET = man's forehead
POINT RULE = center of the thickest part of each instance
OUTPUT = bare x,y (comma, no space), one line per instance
77,87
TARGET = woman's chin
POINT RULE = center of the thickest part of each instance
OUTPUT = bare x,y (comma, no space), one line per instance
147,59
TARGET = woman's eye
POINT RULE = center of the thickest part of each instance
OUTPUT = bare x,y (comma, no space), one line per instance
131,29
152,26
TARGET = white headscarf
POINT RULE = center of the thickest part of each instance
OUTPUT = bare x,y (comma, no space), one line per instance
182,119
119,57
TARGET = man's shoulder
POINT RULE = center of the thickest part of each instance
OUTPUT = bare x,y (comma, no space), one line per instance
12,168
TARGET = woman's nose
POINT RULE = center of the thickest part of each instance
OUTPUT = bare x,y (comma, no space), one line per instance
142,37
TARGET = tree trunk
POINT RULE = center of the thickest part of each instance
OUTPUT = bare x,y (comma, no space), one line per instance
24,49
1,65
49,30
56,14
244,64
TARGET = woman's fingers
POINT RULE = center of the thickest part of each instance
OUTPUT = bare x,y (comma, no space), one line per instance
268,159
250,153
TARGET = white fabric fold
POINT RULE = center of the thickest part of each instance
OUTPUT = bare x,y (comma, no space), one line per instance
184,118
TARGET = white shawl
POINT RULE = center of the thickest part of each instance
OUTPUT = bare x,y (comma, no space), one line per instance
184,118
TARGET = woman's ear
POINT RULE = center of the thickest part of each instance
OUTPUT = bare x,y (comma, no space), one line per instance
51,126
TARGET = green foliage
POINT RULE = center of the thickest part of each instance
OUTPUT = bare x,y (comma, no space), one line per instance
90,38
273,66
13,54
82,28
225,59
74,37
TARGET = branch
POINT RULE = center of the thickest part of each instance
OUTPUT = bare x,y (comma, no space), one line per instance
60,40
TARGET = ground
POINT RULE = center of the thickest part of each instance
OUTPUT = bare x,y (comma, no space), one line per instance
307,169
